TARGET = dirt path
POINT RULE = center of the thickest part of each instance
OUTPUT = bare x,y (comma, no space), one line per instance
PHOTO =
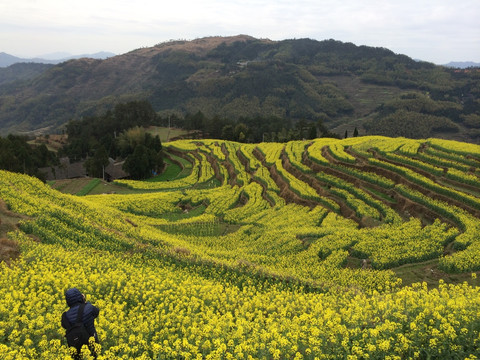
214,163
232,175
9,220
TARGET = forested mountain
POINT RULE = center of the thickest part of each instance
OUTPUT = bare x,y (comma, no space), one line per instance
344,85
21,72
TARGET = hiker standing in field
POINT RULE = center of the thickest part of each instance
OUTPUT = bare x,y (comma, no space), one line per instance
79,320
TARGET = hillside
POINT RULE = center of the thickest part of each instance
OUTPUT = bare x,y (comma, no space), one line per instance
302,250
345,85
20,72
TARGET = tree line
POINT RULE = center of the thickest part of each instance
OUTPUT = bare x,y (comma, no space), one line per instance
250,129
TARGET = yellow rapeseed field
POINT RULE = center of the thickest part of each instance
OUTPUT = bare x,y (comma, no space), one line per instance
250,271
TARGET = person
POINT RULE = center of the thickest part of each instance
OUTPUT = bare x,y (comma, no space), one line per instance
74,299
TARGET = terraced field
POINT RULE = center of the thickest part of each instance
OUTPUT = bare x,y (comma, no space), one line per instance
305,250
370,182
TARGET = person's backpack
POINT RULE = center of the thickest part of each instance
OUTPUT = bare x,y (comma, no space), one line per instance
77,335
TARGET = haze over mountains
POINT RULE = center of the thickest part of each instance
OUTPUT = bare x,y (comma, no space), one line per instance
344,85
56,58
462,64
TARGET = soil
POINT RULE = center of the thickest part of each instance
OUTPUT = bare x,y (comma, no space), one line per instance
232,175
362,165
9,249
244,162
285,192
215,167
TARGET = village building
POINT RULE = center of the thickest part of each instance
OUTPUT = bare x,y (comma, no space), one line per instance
75,170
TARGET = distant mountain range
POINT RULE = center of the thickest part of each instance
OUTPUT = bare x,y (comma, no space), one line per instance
7,59
58,57
344,85
462,64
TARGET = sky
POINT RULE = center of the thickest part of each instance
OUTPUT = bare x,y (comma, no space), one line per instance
437,31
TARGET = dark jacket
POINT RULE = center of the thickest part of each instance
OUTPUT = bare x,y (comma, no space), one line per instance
74,298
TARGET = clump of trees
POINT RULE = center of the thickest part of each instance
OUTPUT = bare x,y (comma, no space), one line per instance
142,152
17,155
117,134
85,136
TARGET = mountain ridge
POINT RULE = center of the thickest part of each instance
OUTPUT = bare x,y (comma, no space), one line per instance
340,83
462,64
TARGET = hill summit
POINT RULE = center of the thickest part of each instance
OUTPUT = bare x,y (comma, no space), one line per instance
342,84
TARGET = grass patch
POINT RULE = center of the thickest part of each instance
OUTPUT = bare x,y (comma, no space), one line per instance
171,172
70,186
185,164
75,186
166,134
89,187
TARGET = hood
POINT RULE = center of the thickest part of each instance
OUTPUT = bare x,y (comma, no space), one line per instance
73,296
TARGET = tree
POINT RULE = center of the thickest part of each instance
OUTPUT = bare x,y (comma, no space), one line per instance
96,164
195,122
312,134
346,134
214,126
129,139
283,135
321,127
137,164
17,155
240,133
227,132
134,113
143,162
355,132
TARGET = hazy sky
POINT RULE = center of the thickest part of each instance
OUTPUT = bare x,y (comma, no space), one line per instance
433,30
